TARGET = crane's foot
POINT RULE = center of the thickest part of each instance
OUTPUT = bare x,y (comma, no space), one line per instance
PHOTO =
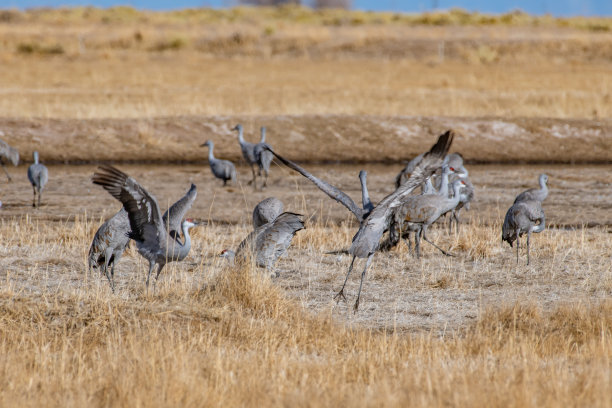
340,296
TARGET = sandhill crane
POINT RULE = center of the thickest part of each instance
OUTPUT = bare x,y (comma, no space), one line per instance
263,157
38,176
404,175
148,229
266,211
109,244
269,241
248,152
375,222
221,169
112,237
10,154
537,194
465,198
523,217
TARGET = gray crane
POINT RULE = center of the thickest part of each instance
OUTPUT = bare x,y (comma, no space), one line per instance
263,157
38,176
537,194
112,237
268,241
109,244
407,170
465,198
10,154
375,220
524,217
148,229
419,212
367,239
248,152
221,169
266,211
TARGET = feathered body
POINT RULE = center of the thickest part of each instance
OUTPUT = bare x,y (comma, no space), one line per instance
38,174
263,156
522,218
221,169
266,211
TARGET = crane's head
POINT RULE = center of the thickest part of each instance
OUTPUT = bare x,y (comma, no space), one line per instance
543,179
238,127
228,254
189,223
208,143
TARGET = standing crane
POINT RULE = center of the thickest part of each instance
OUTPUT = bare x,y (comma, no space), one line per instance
148,229
263,157
248,152
266,211
524,217
375,220
8,153
38,176
221,169
112,238
109,244
465,198
267,242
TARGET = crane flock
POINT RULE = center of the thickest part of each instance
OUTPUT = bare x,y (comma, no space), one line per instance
445,191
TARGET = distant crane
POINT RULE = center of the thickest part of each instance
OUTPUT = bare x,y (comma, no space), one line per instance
374,222
221,169
148,229
263,157
38,176
112,238
248,152
268,241
537,194
109,244
10,154
524,217
266,211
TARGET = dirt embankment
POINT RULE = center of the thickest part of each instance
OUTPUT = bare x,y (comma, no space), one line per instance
310,138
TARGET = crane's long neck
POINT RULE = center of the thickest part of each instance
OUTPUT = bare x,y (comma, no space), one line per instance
35,157
543,187
365,196
240,137
428,188
444,182
263,135
183,249
211,156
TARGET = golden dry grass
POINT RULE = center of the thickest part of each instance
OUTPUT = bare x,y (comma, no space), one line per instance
474,330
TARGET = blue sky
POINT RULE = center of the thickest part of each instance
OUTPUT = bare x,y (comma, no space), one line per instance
555,7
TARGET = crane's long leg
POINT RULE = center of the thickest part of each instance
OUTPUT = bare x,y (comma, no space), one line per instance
368,262
265,183
107,256
151,266
39,196
34,199
427,239
417,242
528,236
254,179
8,176
158,272
457,220
517,246
341,293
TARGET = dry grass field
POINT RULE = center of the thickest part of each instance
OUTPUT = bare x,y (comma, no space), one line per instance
339,91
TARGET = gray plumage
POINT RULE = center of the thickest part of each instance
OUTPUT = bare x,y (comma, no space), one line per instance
173,217
537,194
266,211
109,244
407,170
38,176
466,196
248,152
221,169
269,241
9,154
524,217
367,239
147,226
263,157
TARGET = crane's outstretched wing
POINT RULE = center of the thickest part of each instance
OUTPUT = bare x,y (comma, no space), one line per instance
367,238
324,186
173,217
142,208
